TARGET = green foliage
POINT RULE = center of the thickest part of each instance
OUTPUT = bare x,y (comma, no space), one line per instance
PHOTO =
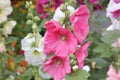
111,37
104,50
78,75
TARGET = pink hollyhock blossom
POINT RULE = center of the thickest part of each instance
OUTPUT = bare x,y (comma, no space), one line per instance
57,67
81,54
112,74
117,1
93,1
59,41
79,21
51,25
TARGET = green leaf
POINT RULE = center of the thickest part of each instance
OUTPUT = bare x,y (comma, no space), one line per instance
78,75
104,50
110,37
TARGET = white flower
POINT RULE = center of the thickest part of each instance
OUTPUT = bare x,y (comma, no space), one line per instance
43,74
29,42
34,56
112,6
86,68
61,15
8,26
5,10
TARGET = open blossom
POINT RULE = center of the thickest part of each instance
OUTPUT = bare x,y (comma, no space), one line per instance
34,53
29,42
59,41
112,74
35,56
8,26
113,9
79,21
57,67
5,10
81,54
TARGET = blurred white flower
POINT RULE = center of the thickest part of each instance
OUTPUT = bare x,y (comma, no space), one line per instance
86,68
113,12
112,6
5,10
61,15
34,56
43,74
29,42
8,26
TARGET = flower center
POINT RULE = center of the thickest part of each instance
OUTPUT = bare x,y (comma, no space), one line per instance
33,44
59,62
35,52
63,37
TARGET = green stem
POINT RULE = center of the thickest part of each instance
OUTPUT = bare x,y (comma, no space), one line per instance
2,65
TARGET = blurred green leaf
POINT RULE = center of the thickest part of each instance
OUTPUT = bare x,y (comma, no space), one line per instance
78,75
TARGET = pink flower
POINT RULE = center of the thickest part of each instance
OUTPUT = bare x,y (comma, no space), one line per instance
116,14
79,21
57,67
2,47
59,40
81,54
51,25
117,1
43,6
118,43
112,74
93,1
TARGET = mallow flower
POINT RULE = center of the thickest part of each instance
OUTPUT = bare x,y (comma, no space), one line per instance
113,11
29,42
5,10
8,26
34,56
57,67
79,20
59,40
81,54
112,74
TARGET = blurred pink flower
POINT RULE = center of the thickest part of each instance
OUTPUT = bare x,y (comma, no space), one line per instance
112,74
59,40
57,67
43,6
81,54
93,1
116,14
51,25
79,21
2,47
117,1
118,43
97,7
